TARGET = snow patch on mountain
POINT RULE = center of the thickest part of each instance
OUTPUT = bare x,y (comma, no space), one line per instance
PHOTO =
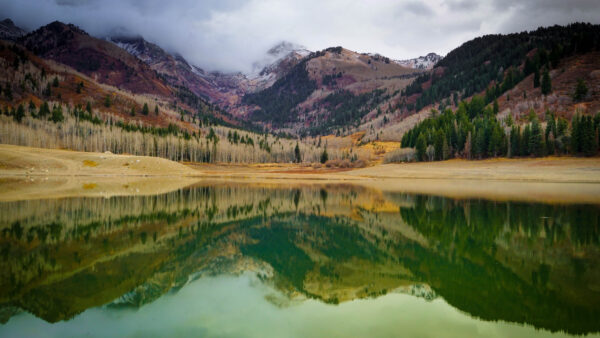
283,51
8,30
422,62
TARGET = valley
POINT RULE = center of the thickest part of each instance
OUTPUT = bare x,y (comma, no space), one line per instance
193,169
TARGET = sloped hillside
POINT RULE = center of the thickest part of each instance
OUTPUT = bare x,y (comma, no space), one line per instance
508,69
96,58
328,91
472,67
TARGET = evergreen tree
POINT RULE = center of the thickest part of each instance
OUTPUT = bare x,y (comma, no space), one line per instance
156,110
550,143
536,139
588,136
107,102
496,108
546,83
576,135
536,78
145,109
479,144
495,144
524,145
438,145
580,91
20,113
88,107
515,141
57,114
324,156
132,112
421,148
55,82
297,154
44,110
32,107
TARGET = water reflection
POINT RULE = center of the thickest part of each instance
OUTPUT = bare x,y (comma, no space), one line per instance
525,263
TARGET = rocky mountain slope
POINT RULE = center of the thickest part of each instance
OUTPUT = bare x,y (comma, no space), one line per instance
96,58
504,68
422,62
8,30
328,90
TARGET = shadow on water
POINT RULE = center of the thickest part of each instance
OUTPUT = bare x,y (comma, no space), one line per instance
518,262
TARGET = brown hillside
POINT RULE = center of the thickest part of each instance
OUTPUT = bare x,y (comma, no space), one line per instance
99,59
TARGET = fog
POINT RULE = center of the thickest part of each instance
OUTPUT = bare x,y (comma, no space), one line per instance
229,35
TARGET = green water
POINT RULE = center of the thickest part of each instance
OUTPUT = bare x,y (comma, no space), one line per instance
275,261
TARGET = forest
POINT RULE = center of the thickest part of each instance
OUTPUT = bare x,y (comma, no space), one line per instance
55,125
470,68
474,132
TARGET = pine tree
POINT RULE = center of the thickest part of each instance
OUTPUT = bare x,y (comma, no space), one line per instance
20,113
324,156
57,114
44,110
536,78
107,102
515,141
496,108
588,136
156,110
536,139
421,148
132,112
546,83
55,82
297,154
145,109
524,144
576,135
438,144
580,91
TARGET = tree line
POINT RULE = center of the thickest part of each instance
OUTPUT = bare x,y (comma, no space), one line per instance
474,132
54,125
470,68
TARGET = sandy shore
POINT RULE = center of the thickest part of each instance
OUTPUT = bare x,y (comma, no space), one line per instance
31,162
29,173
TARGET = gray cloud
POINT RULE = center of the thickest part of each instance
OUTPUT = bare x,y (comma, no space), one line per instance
230,35
461,5
417,8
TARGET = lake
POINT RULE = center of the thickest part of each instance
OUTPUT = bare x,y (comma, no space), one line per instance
274,260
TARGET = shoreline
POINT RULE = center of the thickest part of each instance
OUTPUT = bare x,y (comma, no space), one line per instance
34,173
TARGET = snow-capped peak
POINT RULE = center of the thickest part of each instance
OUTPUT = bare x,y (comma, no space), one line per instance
274,56
422,62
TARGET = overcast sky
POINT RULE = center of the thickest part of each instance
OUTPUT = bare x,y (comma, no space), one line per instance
229,35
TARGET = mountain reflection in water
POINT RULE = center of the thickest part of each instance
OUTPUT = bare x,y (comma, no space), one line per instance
514,262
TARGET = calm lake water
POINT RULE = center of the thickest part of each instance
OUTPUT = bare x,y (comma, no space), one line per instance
275,261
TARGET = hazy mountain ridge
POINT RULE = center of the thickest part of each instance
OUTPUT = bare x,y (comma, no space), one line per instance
334,90
9,31
97,58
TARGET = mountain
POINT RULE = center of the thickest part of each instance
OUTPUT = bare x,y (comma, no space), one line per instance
174,69
326,90
97,58
422,62
503,68
8,30
477,64
277,62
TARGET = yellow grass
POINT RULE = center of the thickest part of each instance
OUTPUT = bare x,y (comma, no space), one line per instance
551,179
